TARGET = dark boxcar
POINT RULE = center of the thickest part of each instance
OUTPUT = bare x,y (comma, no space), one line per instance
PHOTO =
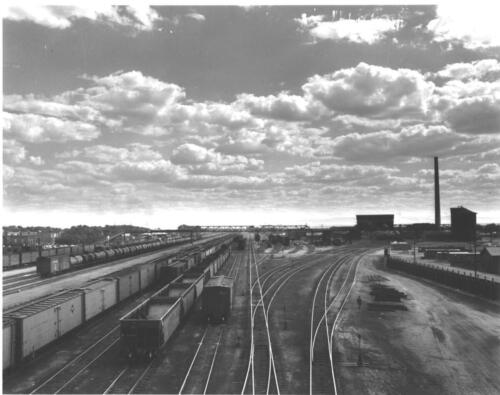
50,265
217,299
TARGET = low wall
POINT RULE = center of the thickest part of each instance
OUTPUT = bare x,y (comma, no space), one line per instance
475,285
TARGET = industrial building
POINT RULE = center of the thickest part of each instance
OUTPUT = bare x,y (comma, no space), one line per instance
463,224
490,259
375,221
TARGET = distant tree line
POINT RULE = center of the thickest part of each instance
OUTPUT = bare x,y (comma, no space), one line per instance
15,228
83,234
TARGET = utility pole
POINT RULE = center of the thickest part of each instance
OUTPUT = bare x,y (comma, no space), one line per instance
474,257
360,358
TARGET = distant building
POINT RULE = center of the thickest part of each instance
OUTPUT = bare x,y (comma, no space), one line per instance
490,259
28,238
463,223
375,221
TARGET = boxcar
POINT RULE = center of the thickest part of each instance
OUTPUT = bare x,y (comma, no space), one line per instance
217,299
9,342
129,283
147,275
50,265
99,296
47,319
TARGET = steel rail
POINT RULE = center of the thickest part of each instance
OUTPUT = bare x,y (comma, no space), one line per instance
193,361
213,362
87,350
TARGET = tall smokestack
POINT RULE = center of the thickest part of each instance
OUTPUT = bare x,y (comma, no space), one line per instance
437,203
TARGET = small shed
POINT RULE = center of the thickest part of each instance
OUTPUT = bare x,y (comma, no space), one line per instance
490,259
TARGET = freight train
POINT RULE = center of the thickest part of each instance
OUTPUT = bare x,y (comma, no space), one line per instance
148,327
53,265
30,327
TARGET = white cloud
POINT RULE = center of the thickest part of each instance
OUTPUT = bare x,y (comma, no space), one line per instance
196,16
13,151
137,16
36,128
162,171
487,69
367,31
414,141
202,160
328,173
480,115
473,24
282,106
36,160
470,106
372,91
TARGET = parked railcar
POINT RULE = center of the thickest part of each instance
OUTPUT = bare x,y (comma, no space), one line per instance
147,275
9,342
51,265
46,320
217,299
149,326
129,283
55,315
99,296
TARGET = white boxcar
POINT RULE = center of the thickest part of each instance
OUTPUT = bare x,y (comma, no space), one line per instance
99,296
129,283
147,275
47,319
9,342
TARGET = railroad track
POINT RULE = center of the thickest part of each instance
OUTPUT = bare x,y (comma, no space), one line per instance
261,373
128,379
199,373
60,380
322,377
275,279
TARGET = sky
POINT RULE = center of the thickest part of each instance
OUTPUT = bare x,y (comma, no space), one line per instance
160,116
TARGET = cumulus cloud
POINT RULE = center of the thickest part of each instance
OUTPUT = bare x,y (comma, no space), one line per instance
153,171
13,151
471,106
278,147
480,115
137,16
196,16
109,154
327,173
282,106
484,69
37,128
202,160
372,91
47,107
473,25
367,31
414,141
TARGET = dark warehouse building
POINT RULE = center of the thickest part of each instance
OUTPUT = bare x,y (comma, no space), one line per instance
463,223
375,221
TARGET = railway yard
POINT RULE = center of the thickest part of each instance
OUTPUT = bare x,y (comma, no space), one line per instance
311,320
